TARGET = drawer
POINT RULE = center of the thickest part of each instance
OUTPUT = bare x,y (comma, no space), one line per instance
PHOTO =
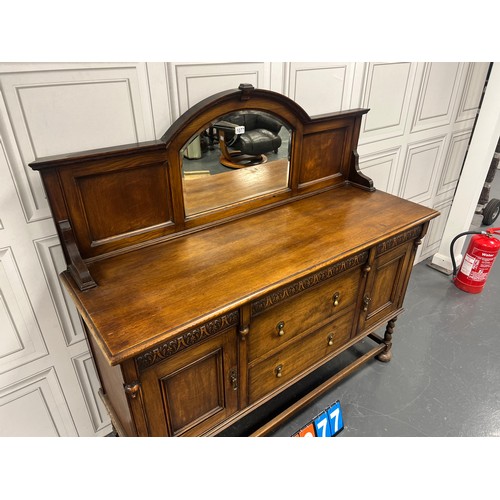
269,374
277,325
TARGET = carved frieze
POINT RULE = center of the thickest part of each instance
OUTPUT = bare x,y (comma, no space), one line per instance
187,339
399,239
274,298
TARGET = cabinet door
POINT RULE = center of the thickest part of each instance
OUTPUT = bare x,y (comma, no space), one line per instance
386,286
193,390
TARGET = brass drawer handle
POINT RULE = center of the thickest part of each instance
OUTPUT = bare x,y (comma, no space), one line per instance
330,339
336,299
278,371
366,302
280,327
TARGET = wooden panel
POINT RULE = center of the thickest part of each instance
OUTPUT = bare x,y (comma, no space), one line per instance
322,155
192,391
123,201
385,283
200,383
118,202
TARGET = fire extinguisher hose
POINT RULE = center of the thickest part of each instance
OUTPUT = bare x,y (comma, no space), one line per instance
452,254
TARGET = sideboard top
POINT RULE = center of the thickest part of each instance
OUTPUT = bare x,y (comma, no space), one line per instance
150,295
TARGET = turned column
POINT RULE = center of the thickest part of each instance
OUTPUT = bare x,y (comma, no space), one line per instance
386,355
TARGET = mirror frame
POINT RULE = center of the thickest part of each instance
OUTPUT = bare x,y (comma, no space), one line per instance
207,111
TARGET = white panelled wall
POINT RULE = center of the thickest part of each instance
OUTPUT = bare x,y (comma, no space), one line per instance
413,144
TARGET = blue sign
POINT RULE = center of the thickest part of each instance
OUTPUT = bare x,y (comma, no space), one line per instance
327,424
335,418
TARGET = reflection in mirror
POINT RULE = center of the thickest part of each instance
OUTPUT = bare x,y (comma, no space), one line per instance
237,157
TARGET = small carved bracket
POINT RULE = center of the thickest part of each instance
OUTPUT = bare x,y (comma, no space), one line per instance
77,267
246,91
356,176
132,389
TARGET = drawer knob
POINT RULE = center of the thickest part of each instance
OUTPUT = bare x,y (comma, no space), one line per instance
280,327
366,302
336,299
278,371
330,339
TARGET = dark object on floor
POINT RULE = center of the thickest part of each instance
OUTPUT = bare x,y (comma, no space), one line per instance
489,209
259,134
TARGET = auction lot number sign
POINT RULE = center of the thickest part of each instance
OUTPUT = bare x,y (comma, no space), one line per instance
327,424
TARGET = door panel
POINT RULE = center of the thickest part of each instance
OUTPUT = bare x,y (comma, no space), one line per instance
194,390
385,285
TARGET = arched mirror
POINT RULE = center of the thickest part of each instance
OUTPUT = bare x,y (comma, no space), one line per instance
236,157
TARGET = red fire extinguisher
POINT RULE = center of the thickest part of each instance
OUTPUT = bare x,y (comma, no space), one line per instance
478,260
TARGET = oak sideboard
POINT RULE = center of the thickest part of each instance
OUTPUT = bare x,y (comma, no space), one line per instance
208,290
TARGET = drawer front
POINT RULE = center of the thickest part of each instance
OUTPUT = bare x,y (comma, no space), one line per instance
281,323
298,356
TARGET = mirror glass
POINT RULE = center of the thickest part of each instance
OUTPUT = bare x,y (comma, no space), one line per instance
237,157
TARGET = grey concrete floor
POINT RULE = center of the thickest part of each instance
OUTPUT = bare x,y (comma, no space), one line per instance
444,376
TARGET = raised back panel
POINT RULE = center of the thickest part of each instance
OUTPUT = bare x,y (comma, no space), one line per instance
322,155
328,146
114,203
115,199
118,203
